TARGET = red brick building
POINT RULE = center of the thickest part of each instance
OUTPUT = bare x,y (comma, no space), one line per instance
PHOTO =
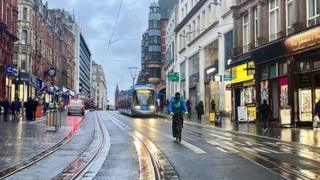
8,30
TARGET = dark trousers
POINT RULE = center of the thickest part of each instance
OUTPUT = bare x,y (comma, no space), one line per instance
175,119
265,122
199,118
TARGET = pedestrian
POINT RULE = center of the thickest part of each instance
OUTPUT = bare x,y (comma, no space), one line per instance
6,106
265,112
13,110
189,107
17,106
34,108
200,111
28,108
213,106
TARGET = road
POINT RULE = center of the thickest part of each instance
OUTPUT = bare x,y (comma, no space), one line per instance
109,145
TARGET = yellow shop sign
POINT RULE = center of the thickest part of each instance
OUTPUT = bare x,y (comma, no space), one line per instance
242,73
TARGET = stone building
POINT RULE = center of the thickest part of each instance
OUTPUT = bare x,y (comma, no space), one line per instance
99,83
277,59
8,35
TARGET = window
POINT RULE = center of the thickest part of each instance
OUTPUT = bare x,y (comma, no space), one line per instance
283,69
313,12
25,13
209,14
274,19
203,23
23,61
255,21
24,37
290,15
199,25
245,29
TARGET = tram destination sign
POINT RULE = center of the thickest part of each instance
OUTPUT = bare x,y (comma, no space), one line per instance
173,76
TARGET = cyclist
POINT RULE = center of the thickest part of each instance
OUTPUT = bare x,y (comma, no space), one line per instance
176,108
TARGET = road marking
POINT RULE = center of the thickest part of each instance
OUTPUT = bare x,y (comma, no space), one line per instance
251,150
239,143
220,137
192,147
249,143
261,150
220,149
270,150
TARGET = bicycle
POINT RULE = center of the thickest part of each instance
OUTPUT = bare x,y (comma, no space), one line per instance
178,117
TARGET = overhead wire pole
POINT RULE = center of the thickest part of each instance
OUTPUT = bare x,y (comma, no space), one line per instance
133,72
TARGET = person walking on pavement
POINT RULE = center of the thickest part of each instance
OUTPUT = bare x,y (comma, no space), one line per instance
189,107
13,110
34,108
213,106
28,108
265,112
6,106
200,111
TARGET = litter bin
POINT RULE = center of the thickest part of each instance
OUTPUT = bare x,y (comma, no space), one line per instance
212,116
53,120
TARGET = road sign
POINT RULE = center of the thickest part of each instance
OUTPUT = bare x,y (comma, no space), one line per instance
52,72
173,76
227,77
8,69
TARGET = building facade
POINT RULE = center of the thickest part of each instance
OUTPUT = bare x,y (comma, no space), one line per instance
83,67
277,48
204,41
116,98
99,83
8,35
46,42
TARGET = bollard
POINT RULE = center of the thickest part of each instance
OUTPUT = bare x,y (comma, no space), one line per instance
53,120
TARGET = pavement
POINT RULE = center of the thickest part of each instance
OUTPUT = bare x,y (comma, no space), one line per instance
22,140
300,135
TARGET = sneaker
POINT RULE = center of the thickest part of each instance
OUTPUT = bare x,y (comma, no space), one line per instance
265,130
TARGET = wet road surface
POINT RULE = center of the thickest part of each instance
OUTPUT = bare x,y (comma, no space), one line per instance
198,156
143,148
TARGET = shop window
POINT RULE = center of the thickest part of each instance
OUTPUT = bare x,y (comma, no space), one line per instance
264,73
316,65
283,69
273,72
313,7
304,66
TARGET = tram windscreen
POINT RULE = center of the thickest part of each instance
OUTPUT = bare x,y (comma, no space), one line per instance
144,97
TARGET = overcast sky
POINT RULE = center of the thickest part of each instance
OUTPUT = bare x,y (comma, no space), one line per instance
96,18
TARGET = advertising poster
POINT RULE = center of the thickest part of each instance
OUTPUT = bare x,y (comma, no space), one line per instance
285,116
305,105
252,114
284,102
264,91
242,114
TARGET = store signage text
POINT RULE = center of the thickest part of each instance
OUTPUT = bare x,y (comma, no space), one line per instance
303,40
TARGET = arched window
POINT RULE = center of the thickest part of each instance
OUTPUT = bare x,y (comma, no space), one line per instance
24,37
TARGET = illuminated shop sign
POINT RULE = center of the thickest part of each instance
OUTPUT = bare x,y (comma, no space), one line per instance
303,40
242,73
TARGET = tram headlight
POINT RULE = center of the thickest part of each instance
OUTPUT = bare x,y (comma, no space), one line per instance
152,107
137,107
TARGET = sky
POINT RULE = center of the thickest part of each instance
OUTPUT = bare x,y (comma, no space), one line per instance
96,19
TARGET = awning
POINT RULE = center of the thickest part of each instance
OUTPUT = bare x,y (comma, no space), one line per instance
241,59
269,52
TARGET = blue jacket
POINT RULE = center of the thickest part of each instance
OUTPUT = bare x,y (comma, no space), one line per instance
182,102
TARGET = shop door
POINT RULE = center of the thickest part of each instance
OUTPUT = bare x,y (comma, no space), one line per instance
305,97
275,100
193,96
237,102
207,98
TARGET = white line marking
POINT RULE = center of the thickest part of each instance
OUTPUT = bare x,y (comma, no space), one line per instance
249,143
220,149
239,143
194,148
251,150
270,150
220,137
261,150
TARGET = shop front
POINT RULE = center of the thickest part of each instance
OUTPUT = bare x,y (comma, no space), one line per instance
194,95
211,87
304,56
243,92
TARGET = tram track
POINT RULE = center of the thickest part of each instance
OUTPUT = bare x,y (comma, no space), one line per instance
78,166
281,168
162,168
42,155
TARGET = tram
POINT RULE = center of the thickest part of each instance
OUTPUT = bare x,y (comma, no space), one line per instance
139,100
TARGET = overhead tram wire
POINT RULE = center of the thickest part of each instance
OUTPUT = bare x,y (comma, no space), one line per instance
115,25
